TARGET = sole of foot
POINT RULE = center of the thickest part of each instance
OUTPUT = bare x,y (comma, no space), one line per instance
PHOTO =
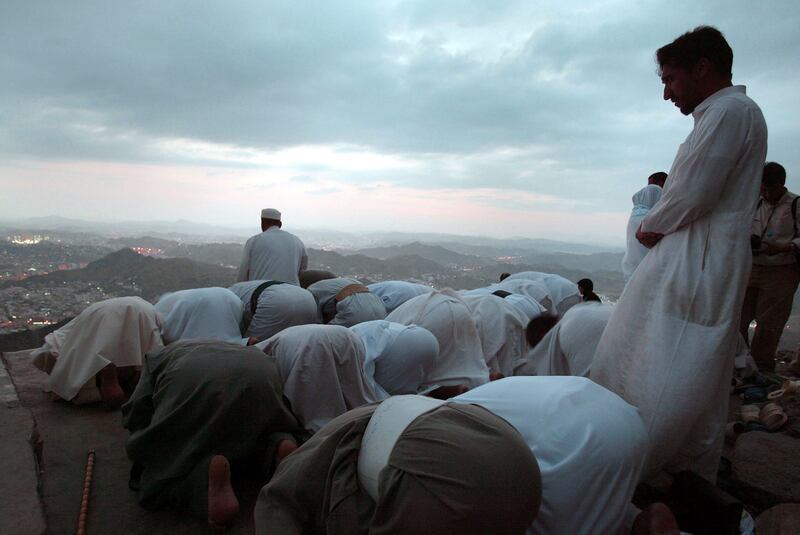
657,519
285,447
222,503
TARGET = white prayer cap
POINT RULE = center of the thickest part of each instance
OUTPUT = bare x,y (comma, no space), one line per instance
270,213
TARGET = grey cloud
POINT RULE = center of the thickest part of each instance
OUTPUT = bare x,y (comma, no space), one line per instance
581,84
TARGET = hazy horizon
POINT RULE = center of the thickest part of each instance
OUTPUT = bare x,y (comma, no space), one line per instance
515,119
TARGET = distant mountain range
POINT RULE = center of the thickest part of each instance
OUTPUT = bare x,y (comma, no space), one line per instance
434,253
195,232
127,269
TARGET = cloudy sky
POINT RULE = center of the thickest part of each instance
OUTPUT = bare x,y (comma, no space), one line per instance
517,118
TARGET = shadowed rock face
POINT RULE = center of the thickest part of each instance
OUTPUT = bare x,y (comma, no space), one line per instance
767,466
28,339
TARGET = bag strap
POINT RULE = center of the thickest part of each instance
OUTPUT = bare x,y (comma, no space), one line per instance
257,293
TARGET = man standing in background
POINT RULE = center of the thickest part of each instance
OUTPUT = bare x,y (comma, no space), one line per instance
775,274
274,254
669,346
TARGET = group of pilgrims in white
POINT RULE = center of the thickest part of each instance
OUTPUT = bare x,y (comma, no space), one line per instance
527,406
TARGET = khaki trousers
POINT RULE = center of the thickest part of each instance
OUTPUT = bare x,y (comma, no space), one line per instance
768,301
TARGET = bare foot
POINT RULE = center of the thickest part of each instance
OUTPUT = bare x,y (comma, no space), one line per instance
494,376
110,390
656,519
285,447
222,503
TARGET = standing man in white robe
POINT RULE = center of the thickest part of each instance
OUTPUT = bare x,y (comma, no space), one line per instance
669,346
274,254
643,202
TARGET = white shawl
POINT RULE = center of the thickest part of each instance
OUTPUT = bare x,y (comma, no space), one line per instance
322,368
445,315
201,313
116,331
398,357
589,443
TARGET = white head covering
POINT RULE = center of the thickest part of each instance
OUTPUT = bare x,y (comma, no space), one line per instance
525,304
536,290
568,348
587,440
270,213
643,202
522,294
645,199
446,316
563,292
279,306
395,293
502,330
387,423
201,313
398,356
322,368
116,331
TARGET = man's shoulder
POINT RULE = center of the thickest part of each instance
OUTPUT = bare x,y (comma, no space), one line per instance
738,104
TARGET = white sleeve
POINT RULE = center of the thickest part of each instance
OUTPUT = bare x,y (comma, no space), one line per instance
698,183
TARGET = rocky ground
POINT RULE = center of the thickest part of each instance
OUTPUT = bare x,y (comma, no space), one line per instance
762,468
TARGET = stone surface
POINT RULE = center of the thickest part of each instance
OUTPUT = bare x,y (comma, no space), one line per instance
782,519
21,508
68,433
767,466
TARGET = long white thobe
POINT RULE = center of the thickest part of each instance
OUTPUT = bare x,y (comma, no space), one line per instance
670,343
279,306
502,330
535,290
351,310
643,202
273,255
201,314
398,356
395,293
569,347
589,443
322,368
444,314
563,292
116,331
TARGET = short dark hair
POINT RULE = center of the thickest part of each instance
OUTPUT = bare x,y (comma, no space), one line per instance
702,42
774,174
504,276
658,178
540,326
586,284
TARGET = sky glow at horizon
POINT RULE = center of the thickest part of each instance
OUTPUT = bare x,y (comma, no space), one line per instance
524,119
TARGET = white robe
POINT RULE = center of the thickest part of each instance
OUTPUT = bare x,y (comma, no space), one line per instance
398,357
535,291
279,306
670,343
273,255
589,443
322,369
502,330
445,315
563,293
116,331
351,310
201,314
643,201
569,347
395,293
